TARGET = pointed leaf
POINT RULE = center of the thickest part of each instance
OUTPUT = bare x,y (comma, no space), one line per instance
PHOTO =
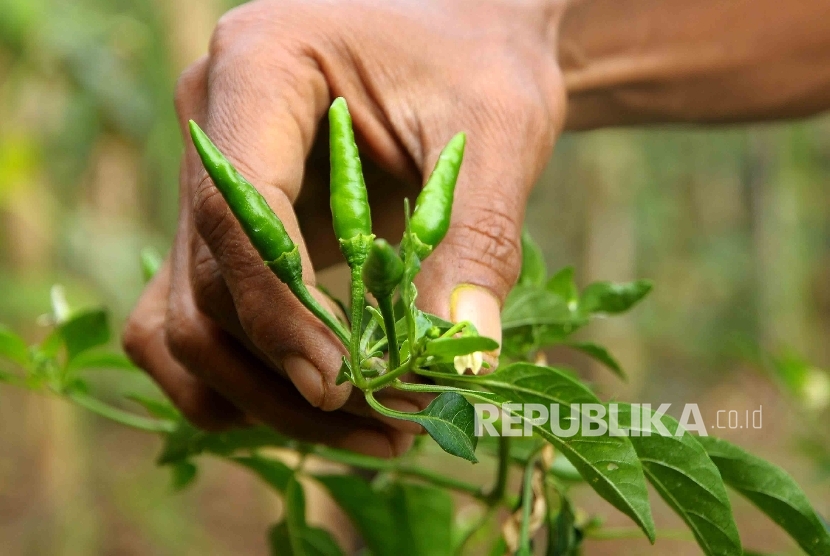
184,473
612,298
369,511
608,463
294,537
684,476
527,305
533,271
187,441
447,348
562,284
274,472
449,420
564,538
600,354
773,491
157,408
12,347
151,261
85,330
427,513
96,359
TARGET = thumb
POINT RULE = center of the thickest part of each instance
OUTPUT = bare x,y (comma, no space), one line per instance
471,272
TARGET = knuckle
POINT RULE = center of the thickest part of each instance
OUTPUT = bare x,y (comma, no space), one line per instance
488,238
183,339
260,325
523,109
227,31
134,339
207,281
197,407
187,86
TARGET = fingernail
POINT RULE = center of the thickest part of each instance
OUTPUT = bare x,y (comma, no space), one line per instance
306,378
480,307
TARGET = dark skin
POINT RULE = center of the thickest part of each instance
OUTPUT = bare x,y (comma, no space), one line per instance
227,341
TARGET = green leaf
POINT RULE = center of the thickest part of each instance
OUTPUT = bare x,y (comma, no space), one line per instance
448,348
684,476
313,542
302,539
423,322
370,512
13,347
562,284
527,306
612,298
533,318
600,354
449,419
150,263
187,441
773,491
274,472
345,372
608,463
564,470
96,359
155,407
85,330
564,538
184,473
533,271
427,513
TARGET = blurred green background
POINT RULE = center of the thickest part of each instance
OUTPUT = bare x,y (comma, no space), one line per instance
732,224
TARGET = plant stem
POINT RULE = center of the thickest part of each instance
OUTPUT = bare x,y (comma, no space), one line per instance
470,533
402,469
527,502
385,380
300,291
121,416
612,533
455,329
371,326
502,470
358,299
385,306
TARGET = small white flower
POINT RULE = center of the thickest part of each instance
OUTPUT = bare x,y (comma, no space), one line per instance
472,361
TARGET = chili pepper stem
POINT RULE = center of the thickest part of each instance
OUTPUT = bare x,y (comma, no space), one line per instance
358,299
388,314
386,379
300,291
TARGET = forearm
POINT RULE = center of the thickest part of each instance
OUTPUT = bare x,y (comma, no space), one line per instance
641,61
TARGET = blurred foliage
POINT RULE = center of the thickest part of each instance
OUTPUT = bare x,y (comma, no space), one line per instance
731,224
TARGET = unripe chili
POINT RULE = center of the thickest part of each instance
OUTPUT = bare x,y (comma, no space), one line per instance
431,217
383,269
349,200
262,226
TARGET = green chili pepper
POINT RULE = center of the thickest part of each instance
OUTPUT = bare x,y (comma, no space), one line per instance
431,217
382,273
261,225
350,213
383,269
349,201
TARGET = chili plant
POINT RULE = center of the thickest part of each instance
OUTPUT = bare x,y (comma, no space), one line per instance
384,343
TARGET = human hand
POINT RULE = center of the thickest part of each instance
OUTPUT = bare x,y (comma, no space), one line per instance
216,329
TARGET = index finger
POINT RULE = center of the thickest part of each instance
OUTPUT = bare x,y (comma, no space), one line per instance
266,132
